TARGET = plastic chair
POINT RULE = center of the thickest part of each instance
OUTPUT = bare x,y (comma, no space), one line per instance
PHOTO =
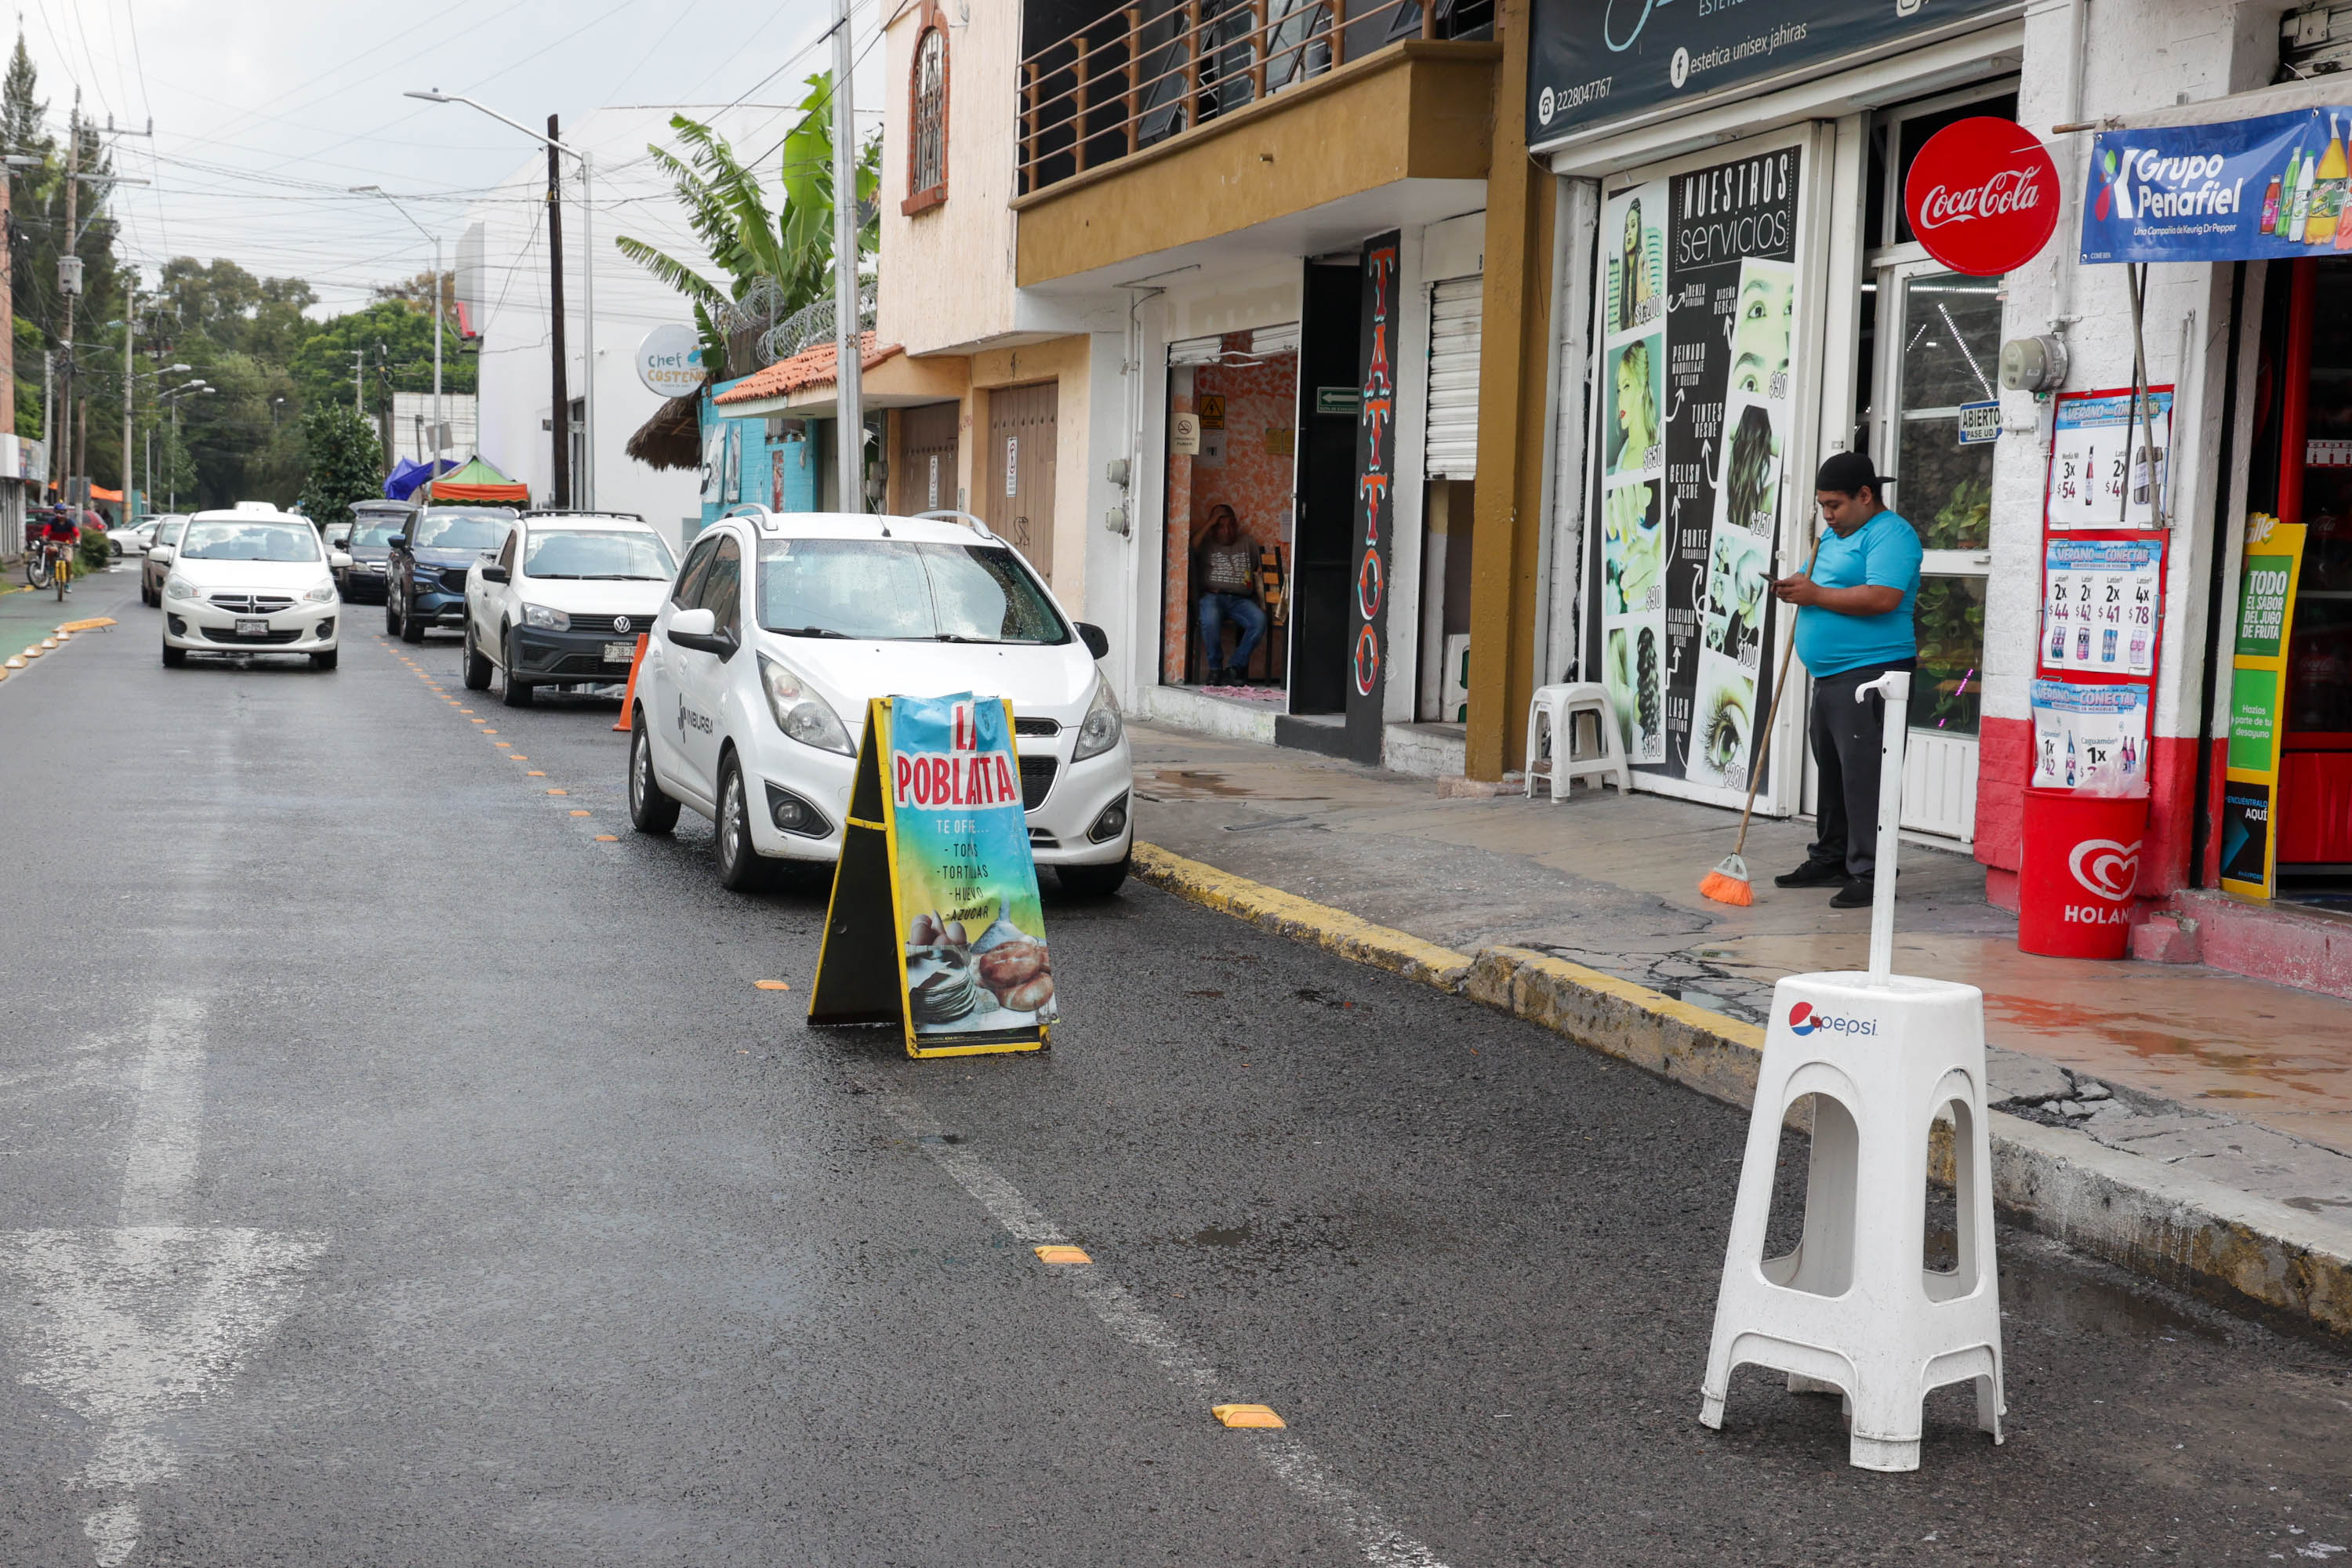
1558,707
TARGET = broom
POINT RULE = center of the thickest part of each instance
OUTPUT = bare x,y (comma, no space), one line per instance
1728,882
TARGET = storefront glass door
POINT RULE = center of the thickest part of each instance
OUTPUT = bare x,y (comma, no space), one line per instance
1939,337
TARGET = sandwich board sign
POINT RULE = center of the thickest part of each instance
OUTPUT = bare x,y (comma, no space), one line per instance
935,924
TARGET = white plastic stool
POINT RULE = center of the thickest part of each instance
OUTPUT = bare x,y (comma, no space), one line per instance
1854,1308
1558,706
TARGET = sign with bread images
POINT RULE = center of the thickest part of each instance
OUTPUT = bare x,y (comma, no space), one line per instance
935,924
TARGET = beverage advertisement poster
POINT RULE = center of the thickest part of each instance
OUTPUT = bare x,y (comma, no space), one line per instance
2099,451
1698,300
935,922
2241,190
2101,601
2269,575
2090,737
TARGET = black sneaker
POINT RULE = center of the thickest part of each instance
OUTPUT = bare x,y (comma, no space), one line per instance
1812,874
1858,893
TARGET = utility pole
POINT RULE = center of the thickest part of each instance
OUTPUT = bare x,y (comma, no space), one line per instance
130,331
48,419
848,342
561,421
359,384
70,256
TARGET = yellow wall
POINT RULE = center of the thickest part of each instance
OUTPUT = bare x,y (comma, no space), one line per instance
1415,110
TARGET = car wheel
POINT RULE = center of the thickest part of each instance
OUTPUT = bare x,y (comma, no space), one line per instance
741,867
391,617
174,657
1094,881
477,666
517,692
325,661
650,811
411,630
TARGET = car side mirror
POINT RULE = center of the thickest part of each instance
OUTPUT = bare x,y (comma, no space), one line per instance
339,561
163,553
494,574
1097,642
698,629
398,541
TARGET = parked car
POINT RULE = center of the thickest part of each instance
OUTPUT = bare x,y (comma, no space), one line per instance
424,571
751,699
134,540
248,580
151,569
367,540
564,601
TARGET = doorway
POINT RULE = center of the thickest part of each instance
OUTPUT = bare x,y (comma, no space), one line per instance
1019,480
1330,378
928,456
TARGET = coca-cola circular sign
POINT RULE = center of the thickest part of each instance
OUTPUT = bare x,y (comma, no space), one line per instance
1982,195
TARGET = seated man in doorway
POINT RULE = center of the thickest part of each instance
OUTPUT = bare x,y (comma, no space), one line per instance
1226,566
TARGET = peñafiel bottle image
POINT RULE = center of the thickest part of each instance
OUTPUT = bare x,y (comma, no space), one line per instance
2276,223
2327,192
2299,214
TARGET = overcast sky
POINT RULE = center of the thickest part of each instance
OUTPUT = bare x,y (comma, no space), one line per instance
266,110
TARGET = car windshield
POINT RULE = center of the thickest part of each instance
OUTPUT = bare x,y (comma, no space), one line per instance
227,541
461,531
169,534
370,530
613,555
902,591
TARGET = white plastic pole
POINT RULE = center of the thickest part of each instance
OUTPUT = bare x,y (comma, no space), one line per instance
848,344
1894,685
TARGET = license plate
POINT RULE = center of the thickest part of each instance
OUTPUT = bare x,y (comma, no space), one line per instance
620,652
249,628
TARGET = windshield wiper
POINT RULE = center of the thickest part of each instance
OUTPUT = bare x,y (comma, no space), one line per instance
615,577
809,632
958,636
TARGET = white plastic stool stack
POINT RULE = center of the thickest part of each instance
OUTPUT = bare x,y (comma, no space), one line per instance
1855,1310
1558,706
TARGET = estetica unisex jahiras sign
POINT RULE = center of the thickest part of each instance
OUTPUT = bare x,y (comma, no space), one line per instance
2242,190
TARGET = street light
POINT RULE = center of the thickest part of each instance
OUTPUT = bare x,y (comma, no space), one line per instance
171,395
387,195
562,420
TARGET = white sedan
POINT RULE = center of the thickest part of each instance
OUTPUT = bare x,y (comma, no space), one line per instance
135,539
250,582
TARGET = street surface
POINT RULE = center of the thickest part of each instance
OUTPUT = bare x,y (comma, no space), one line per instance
394,1170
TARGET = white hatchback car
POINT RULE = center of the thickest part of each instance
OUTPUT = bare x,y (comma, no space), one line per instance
564,601
250,581
751,700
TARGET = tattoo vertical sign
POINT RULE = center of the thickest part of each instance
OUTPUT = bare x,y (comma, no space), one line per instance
1698,306
1368,653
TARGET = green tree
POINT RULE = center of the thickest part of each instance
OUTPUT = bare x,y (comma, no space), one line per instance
343,463
790,247
29,350
397,342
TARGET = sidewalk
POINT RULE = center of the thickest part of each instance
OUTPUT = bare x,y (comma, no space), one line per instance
27,615
2241,1083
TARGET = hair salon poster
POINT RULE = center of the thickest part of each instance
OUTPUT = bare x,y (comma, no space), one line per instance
1699,307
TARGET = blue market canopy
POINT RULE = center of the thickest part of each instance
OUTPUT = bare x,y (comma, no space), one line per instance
408,473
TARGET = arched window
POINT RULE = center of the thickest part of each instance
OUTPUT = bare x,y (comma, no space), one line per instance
927,120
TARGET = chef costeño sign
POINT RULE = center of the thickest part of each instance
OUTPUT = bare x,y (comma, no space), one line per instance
935,924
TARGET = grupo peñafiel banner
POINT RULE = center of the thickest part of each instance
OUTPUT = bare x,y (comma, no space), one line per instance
2241,190
1698,303
935,922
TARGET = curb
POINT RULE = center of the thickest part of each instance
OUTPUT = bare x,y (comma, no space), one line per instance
2244,1252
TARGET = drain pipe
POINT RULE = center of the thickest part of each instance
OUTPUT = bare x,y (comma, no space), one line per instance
2061,284
1131,503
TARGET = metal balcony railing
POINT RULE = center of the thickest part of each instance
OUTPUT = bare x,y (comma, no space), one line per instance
1136,77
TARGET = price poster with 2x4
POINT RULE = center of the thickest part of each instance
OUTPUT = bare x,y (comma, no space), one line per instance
1699,307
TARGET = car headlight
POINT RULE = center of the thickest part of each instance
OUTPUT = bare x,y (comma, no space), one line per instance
799,711
323,594
1103,726
179,588
375,566
545,619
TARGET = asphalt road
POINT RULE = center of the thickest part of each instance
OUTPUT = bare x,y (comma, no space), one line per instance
392,1171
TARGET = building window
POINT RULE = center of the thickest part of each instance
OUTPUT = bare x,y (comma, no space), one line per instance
927,120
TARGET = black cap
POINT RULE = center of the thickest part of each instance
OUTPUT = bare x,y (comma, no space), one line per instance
1849,474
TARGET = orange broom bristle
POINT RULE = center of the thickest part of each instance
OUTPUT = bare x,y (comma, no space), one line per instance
1726,890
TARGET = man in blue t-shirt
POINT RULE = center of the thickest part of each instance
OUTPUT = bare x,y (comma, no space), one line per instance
1853,624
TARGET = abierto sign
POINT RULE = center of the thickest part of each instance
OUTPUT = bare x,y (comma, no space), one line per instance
669,360
1982,195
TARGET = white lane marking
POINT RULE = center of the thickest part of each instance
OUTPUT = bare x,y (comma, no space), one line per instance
1292,1462
131,1325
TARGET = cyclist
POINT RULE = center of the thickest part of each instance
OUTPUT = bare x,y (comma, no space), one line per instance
63,536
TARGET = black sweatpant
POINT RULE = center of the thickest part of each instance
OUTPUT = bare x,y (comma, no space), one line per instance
1847,737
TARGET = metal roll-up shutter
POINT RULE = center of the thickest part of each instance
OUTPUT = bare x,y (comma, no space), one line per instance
1454,308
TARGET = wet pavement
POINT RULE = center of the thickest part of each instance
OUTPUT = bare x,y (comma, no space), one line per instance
2248,1083
415,1174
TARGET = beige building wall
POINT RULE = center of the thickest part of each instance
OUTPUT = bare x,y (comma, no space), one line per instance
947,272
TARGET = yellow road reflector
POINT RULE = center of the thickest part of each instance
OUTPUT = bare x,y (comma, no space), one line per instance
501,742
608,839
518,756
1246,1416
535,773
36,651
770,985
45,644
89,625
578,813
15,663
1063,1255
465,710
553,790
482,721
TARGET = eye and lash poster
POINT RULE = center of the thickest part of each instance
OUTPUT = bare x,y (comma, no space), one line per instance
1698,306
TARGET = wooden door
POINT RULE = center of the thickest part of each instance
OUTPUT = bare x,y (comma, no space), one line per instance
1017,474
928,456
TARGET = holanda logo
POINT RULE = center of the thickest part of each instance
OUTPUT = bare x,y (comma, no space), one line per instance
1803,1019
2106,868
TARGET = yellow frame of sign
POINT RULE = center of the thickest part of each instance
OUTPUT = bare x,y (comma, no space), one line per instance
2266,539
866,914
